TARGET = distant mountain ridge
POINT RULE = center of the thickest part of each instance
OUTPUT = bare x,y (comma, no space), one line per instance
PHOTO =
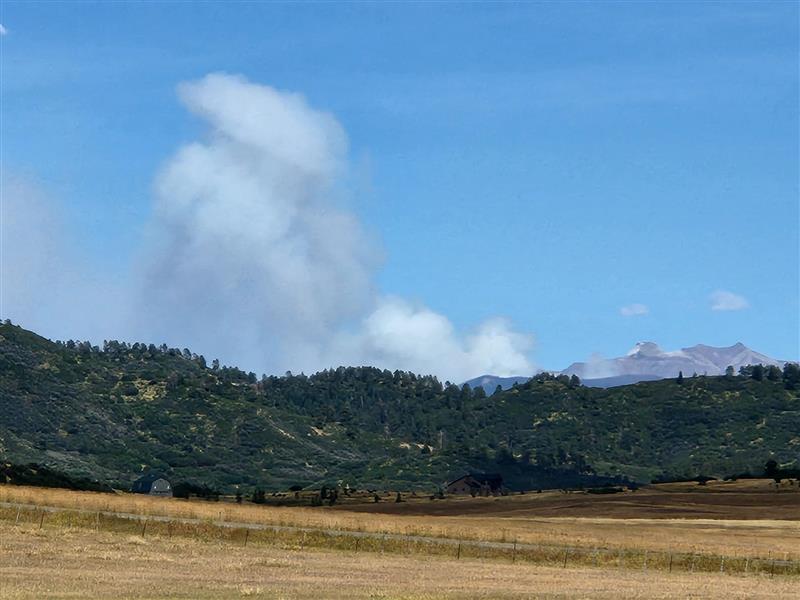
647,358
646,361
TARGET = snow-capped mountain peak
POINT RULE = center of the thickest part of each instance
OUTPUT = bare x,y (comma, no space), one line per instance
647,361
646,358
645,349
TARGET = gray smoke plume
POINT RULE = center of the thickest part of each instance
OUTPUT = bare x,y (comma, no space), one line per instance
252,256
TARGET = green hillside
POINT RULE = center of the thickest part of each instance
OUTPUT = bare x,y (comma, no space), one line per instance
109,413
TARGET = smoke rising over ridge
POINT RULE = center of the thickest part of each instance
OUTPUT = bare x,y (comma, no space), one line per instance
254,257
251,256
246,249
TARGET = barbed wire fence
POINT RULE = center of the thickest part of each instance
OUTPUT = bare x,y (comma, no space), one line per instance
249,534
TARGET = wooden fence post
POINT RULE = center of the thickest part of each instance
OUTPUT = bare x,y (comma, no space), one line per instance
458,551
514,552
144,526
566,552
246,536
41,520
19,508
670,563
746,564
722,565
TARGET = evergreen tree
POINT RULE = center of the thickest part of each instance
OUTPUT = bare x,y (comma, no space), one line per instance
791,375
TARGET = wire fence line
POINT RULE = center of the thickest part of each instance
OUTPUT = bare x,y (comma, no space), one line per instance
245,534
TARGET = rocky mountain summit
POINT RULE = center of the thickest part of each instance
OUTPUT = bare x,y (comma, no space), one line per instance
649,360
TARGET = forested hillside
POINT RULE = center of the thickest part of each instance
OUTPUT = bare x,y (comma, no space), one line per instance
109,413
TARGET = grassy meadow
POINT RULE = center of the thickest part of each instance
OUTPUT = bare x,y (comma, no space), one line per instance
80,563
737,539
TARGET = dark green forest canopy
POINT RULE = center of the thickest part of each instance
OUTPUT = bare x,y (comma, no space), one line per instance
109,413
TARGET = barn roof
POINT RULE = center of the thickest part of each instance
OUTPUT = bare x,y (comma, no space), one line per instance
488,477
145,482
150,477
481,478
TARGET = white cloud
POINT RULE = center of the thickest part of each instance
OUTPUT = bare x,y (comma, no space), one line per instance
253,258
421,340
724,300
634,310
3,30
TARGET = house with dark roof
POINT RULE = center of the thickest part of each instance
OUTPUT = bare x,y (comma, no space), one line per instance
476,484
153,484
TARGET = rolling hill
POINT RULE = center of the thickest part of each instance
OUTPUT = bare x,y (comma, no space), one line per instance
109,413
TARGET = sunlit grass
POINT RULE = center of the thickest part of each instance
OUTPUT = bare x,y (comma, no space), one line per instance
593,542
78,562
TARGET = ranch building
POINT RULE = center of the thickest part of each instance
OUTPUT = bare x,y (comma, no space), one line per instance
153,484
477,484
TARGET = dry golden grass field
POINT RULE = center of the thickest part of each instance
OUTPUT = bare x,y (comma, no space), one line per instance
736,540
76,563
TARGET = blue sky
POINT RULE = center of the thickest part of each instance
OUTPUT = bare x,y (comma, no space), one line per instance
549,163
